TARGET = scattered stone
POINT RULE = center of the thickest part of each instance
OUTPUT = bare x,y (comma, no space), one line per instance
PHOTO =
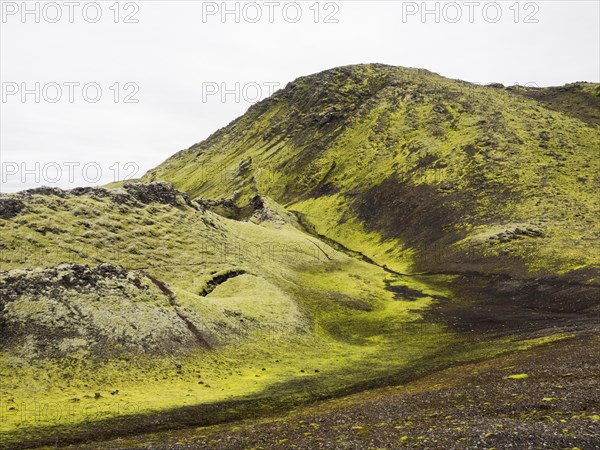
517,233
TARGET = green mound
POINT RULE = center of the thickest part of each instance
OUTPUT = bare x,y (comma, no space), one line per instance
72,310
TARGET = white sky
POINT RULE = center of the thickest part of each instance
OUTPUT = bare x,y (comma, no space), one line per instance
172,53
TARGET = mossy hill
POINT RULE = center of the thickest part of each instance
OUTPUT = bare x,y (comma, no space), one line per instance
419,172
361,227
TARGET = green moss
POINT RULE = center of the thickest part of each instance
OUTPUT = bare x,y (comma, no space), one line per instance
519,376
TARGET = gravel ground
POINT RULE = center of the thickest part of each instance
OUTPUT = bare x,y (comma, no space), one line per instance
543,398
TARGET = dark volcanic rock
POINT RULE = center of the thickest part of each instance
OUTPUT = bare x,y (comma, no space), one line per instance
10,207
132,194
45,190
157,192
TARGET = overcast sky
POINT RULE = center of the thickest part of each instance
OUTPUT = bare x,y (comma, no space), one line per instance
175,57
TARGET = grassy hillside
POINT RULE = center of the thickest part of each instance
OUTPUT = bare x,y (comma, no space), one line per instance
362,227
136,301
129,308
419,172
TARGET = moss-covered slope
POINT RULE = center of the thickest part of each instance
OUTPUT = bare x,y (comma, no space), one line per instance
146,269
252,288
72,310
132,302
419,172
